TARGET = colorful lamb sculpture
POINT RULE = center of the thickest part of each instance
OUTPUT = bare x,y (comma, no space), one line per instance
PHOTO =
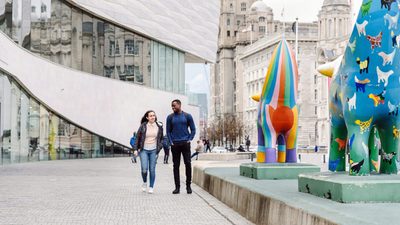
277,110
364,93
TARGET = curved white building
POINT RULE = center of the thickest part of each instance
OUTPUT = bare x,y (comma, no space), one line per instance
64,63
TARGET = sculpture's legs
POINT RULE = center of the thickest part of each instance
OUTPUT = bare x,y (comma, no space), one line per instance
291,139
373,144
281,149
359,152
337,159
390,139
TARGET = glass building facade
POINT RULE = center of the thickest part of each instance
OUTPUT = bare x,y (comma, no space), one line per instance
71,37
30,131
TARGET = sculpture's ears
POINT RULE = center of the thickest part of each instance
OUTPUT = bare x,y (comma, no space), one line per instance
256,97
326,70
330,69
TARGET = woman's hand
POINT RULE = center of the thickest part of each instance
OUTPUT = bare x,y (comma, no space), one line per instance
135,153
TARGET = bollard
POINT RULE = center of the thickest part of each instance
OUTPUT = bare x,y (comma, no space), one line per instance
324,159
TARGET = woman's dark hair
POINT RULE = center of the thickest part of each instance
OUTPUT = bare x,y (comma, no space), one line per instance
144,118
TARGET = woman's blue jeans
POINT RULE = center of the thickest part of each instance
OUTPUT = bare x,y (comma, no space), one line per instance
148,162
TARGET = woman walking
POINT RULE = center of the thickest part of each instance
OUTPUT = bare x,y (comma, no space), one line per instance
148,142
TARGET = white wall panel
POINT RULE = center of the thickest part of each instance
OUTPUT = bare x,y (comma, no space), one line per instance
189,25
107,107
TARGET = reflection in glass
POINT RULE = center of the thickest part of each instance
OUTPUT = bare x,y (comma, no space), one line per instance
181,73
15,122
54,140
169,75
64,135
24,143
6,120
161,66
109,50
138,59
76,39
87,144
36,27
87,43
154,62
98,47
26,24
108,148
146,62
16,21
119,54
44,134
130,56
175,71
45,27
66,30
55,31
34,129
96,148
75,142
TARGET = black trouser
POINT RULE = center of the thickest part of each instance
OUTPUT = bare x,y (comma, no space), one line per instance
184,149
166,155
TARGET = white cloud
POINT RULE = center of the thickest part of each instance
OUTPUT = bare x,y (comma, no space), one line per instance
198,83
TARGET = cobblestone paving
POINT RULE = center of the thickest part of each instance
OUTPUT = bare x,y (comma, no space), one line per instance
102,191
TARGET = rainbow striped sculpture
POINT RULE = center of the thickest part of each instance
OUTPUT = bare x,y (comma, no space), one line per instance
277,110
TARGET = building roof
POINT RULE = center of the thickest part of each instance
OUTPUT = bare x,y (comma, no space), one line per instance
189,25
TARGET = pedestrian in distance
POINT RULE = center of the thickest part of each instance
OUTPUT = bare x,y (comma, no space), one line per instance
178,124
166,146
147,145
198,149
132,143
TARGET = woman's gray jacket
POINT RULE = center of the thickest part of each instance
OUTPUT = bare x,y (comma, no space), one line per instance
141,136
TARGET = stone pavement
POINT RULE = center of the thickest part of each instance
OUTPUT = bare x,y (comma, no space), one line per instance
102,191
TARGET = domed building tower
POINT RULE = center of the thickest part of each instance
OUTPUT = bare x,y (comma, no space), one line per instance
334,27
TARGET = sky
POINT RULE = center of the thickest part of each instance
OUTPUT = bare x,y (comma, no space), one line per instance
198,75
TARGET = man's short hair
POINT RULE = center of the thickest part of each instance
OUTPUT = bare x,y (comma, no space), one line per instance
177,101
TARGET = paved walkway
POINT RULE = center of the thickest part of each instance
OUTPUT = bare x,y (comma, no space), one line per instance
102,191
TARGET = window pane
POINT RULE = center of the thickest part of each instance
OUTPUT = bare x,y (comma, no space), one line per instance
64,135
109,48
175,71
24,145
66,31
138,58
55,31
75,142
34,129
5,16
87,45
146,62
6,120
169,81
98,47
15,122
44,134
54,140
154,65
45,28
76,39
87,145
161,66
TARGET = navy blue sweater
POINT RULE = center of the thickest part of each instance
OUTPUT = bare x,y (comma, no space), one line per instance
177,127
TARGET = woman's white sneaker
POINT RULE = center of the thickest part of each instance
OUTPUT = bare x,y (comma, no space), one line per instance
144,187
151,190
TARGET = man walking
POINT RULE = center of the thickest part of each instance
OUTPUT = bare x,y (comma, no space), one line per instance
178,123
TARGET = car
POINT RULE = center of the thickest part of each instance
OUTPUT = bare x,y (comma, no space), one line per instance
219,149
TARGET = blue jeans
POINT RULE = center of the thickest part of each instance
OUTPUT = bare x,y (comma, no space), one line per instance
148,162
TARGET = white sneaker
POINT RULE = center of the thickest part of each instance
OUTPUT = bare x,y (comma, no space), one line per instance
144,187
151,190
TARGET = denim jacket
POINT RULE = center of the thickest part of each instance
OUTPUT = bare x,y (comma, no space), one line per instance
141,136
